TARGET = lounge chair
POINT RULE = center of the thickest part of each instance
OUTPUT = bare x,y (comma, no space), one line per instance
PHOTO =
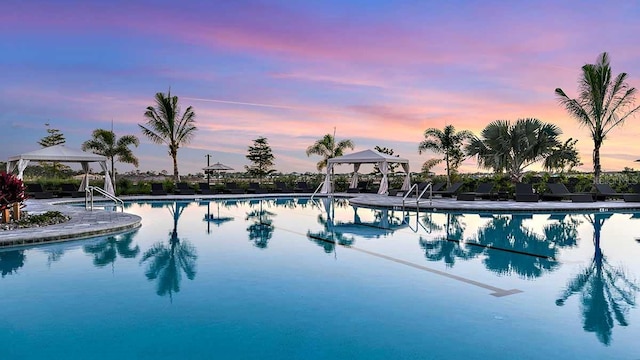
37,192
255,188
157,189
71,191
302,187
232,188
483,191
560,192
525,193
450,191
205,189
282,187
605,191
434,187
183,188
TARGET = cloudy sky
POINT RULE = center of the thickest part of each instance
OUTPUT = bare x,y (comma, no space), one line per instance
379,72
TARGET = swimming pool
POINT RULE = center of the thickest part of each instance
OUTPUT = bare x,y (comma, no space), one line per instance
264,279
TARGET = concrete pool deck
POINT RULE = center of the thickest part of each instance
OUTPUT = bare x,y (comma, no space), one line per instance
86,223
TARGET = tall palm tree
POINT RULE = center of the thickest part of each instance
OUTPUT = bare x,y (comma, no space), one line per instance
327,148
167,125
447,142
603,103
105,143
512,147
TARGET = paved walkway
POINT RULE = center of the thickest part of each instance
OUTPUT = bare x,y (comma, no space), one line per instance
509,206
86,223
83,224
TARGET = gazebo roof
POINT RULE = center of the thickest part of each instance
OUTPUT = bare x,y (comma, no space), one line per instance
59,153
366,157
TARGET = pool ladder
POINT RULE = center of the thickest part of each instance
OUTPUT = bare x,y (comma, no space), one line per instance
88,197
418,196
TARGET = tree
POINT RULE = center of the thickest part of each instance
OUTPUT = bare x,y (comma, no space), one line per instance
563,156
327,148
603,103
388,151
447,142
105,143
429,164
262,158
167,125
512,147
55,137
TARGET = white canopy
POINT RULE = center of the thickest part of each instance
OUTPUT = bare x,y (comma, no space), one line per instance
368,157
60,153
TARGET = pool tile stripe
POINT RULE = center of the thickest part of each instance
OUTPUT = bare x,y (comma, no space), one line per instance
496,291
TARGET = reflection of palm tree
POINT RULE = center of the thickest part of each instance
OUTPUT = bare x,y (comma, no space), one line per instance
605,291
563,233
450,246
53,255
261,230
506,232
11,261
107,251
167,262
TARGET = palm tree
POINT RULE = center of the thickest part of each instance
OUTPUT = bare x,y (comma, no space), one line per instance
104,143
512,147
447,142
603,103
327,148
166,125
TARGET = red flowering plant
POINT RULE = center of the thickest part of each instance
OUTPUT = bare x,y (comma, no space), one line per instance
12,190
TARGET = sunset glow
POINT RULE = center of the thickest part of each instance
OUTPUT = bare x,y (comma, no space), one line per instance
379,72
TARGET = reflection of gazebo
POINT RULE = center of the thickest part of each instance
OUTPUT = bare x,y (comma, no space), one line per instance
367,157
60,153
210,218
384,225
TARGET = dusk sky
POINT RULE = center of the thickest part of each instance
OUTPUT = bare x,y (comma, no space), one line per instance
380,72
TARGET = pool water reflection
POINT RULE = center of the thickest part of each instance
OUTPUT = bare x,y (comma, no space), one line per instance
243,278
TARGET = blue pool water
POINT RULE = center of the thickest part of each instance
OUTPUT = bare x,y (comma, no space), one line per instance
264,279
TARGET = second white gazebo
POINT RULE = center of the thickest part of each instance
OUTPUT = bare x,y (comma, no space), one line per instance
367,157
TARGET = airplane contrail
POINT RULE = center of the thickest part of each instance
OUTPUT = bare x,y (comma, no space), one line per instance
262,105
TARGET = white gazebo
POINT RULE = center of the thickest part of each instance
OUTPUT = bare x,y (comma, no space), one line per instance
367,157
60,153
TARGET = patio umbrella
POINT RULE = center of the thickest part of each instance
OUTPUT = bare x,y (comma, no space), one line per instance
217,167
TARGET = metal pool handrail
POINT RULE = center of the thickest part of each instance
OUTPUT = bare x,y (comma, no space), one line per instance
418,196
317,189
88,197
